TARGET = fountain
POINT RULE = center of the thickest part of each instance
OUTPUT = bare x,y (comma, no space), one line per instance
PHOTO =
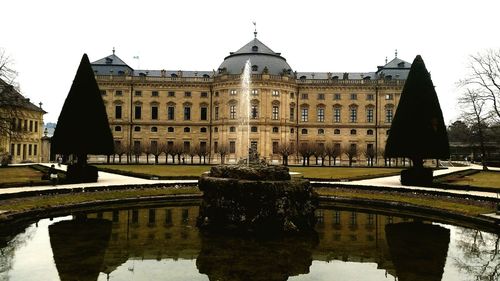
253,196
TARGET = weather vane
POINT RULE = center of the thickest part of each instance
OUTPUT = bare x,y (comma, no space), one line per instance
255,29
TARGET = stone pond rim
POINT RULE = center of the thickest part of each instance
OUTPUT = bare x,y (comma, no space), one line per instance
256,198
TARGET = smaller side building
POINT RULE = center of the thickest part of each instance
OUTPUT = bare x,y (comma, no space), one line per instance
21,126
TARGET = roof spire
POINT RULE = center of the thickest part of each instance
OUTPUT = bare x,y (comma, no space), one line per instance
396,53
255,29
386,60
113,50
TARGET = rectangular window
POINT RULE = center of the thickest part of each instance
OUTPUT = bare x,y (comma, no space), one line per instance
216,113
232,147
203,146
389,97
187,94
255,92
187,113
369,97
30,147
292,95
138,93
321,114
35,150
275,93
137,112
171,113
388,115
336,96
254,111
321,96
305,114
304,96
353,115
25,125
336,114
137,146
36,126
12,148
154,93
187,146
292,113
154,113
204,94
203,113
154,146
118,93
31,125
171,94
216,146
118,112
232,112
18,149
275,112
275,147
232,92
354,96
369,115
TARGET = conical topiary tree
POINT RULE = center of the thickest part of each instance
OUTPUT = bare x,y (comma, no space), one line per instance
82,127
418,131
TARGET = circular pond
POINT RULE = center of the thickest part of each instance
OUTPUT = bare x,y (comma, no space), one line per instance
161,242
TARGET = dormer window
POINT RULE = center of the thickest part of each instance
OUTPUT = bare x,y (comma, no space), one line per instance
173,75
401,64
109,60
255,68
255,49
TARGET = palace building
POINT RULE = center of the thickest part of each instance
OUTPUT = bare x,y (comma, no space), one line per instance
289,110
21,127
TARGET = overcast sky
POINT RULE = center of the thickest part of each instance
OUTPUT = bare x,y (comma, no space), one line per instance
47,39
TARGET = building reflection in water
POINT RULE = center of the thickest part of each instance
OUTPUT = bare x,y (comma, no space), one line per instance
169,232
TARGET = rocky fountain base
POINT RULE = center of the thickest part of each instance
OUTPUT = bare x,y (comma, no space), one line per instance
256,198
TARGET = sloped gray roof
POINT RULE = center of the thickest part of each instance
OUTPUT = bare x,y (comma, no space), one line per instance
339,75
9,96
259,55
111,65
396,68
173,73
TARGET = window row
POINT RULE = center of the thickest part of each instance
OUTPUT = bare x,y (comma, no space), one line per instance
337,114
352,96
154,129
139,93
18,124
321,131
23,150
154,110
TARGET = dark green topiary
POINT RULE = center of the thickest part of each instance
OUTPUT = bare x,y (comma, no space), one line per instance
82,127
418,131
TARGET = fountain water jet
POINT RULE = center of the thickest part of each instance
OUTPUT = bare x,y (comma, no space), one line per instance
244,112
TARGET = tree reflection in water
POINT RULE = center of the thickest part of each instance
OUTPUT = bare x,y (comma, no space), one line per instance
480,257
11,239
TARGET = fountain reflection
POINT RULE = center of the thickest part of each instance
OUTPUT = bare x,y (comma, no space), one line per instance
169,233
79,246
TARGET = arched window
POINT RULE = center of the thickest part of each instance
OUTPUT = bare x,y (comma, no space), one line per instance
118,128
276,130
304,131
170,129
154,129
187,129
232,129
336,132
254,129
203,130
353,132
255,49
321,131
255,67
137,129
369,132
216,130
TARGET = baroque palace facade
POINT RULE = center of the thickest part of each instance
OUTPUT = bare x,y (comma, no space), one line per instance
199,109
21,127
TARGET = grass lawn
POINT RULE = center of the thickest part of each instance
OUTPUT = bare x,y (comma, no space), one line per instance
21,174
332,173
160,170
307,172
480,179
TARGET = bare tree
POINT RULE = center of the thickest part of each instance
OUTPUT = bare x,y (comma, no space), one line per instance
146,148
369,153
177,150
320,152
7,72
306,151
202,153
120,150
484,79
285,150
222,150
473,110
157,150
168,149
351,151
192,152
